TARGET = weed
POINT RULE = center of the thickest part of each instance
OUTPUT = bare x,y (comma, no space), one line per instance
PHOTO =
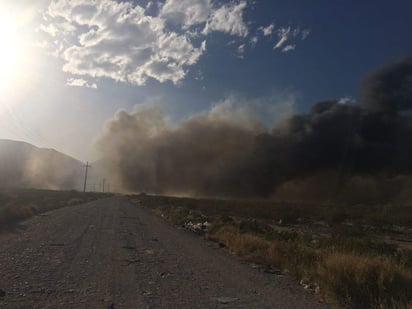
351,268
20,204
356,281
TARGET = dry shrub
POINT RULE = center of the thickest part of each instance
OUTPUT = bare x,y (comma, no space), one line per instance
225,235
13,213
354,281
74,201
299,259
20,204
177,216
252,248
351,269
248,246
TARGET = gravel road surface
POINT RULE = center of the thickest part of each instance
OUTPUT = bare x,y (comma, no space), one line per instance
112,254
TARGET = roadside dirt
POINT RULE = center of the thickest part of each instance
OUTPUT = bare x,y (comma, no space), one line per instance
112,254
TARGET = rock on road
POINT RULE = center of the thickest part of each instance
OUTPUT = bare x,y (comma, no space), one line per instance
112,254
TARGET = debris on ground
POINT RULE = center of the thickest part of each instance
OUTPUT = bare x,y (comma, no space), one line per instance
200,227
226,300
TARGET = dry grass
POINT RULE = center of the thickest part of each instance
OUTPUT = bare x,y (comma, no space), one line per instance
16,205
348,268
293,256
290,212
346,279
355,281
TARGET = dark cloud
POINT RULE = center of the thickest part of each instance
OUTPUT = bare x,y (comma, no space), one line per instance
333,143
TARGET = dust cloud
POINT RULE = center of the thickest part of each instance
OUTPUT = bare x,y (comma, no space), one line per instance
335,150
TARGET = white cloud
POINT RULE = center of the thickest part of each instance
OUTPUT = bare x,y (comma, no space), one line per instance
225,18
347,100
286,34
228,19
254,40
199,75
149,5
50,29
283,34
281,41
289,47
187,12
79,82
267,30
241,51
117,40
305,33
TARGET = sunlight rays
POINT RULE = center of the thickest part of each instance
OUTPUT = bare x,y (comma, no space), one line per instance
18,54
11,50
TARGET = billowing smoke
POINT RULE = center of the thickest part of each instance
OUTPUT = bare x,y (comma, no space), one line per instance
331,149
204,155
389,89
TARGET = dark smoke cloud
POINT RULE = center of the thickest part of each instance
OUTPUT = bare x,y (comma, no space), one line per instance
211,154
389,89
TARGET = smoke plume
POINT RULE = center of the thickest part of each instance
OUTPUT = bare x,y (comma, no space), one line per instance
332,148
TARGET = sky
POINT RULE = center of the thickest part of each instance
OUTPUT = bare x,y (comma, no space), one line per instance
67,67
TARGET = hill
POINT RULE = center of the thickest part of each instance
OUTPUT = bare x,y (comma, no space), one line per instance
24,165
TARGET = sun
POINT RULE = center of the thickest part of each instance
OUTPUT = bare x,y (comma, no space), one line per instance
18,52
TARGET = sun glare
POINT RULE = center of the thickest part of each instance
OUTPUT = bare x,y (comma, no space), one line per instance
10,51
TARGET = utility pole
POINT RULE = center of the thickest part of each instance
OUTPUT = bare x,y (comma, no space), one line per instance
104,180
85,175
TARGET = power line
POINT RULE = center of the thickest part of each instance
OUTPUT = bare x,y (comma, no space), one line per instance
85,175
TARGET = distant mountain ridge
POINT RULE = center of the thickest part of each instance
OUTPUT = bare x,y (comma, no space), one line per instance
25,165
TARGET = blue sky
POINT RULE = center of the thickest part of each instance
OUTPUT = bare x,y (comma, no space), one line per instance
82,62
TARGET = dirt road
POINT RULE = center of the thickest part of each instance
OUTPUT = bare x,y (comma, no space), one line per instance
111,254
